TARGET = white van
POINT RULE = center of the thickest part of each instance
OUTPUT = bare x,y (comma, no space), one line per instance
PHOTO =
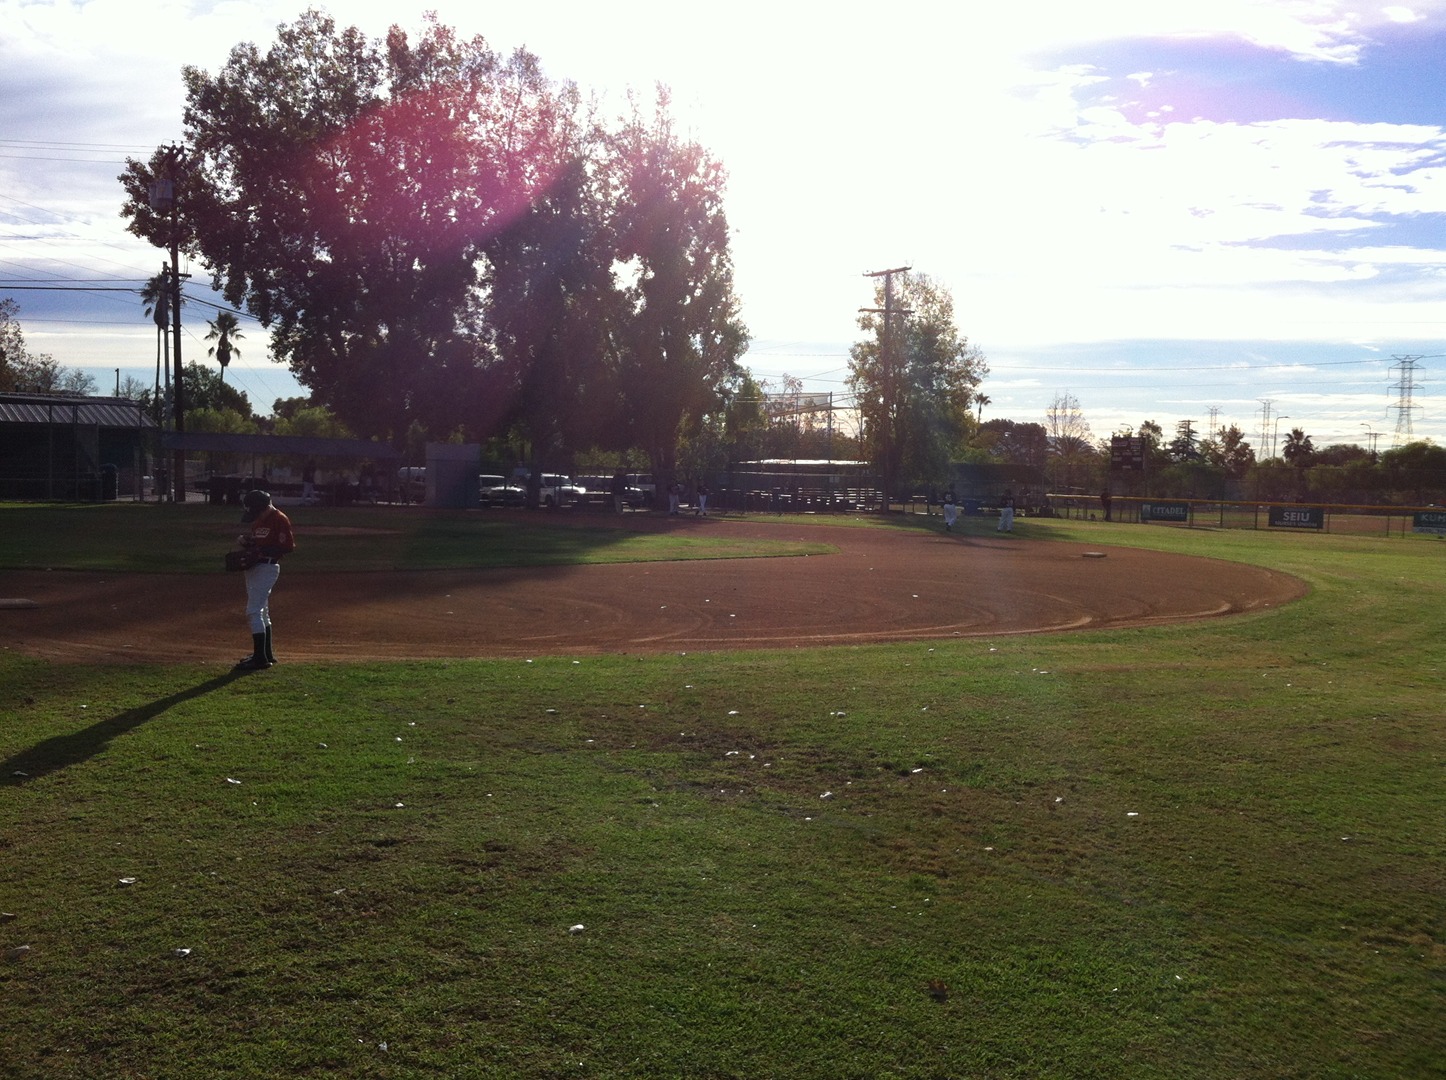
412,483
559,490
644,483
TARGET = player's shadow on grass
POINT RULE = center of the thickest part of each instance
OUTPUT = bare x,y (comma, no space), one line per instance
62,751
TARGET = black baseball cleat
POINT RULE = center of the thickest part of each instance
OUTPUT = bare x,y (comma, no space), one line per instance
252,663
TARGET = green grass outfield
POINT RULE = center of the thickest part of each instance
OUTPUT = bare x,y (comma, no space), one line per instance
1205,850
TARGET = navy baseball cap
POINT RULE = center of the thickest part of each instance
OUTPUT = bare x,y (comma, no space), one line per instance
256,503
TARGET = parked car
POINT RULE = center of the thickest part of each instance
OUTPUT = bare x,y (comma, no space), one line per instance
644,483
412,483
559,490
499,491
594,490
599,490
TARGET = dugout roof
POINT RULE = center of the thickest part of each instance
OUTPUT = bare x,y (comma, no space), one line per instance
67,409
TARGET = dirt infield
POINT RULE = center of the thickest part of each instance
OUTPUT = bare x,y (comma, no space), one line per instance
882,585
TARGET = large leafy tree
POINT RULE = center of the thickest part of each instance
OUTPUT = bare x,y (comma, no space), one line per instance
206,389
679,335
343,190
26,372
1418,467
745,420
1025,444
431,231
915,385
1228,450
551,309
1071,451
1186,444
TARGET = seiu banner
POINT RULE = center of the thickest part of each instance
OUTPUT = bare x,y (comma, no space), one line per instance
1297,517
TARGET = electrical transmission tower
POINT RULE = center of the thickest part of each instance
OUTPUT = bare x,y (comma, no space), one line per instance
1405,387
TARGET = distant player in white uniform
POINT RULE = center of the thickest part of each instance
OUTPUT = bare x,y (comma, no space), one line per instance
951,512
1006,513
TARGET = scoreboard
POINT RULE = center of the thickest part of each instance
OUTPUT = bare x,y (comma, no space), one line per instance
1127,452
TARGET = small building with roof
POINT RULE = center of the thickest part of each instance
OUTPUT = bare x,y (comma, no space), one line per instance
72,448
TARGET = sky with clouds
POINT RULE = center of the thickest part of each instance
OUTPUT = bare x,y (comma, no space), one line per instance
1222,211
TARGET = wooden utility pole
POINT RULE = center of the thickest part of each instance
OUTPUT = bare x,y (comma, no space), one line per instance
164,200
888,369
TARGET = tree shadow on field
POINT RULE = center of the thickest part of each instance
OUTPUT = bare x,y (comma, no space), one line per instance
62,751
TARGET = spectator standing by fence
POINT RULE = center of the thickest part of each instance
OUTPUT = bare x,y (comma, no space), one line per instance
308,483
620,489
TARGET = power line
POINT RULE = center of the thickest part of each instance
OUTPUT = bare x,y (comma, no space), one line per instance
67,288
54,144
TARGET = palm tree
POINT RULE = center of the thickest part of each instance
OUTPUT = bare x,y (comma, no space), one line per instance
1297,448
225,330
156,299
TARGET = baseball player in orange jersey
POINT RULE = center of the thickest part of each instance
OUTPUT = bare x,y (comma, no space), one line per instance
270,539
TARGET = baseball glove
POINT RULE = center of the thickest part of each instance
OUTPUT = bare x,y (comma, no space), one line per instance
241,559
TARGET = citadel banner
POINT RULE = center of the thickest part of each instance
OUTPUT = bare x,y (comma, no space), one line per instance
1178,512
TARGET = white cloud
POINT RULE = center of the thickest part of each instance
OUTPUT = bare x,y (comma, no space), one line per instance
942,137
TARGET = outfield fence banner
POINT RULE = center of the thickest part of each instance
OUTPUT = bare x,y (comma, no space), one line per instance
1429,521
1296,517
1178,512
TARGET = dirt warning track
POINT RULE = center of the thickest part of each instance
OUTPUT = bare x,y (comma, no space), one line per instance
882,585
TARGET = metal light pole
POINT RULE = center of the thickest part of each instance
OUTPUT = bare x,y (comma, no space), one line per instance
1274,434
1371,434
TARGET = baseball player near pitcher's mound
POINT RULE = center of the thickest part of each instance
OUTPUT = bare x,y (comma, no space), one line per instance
271,539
